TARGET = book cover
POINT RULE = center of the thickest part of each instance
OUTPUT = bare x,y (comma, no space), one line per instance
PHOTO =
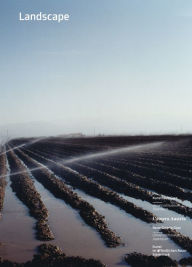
95,133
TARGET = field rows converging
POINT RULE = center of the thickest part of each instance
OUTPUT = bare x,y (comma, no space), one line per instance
122,185
92,188
112,188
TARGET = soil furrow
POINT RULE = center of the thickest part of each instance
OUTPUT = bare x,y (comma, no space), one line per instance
159,173
183,241
25,190
131,174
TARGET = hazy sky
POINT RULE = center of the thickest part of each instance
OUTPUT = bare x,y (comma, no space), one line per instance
117,66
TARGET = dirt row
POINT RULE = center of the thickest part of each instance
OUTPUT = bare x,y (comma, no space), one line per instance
60,190
111,181
52,256
140,260
149,161
132,175
94,189
25,190
181,166
137,260
183,241
3,171
158,173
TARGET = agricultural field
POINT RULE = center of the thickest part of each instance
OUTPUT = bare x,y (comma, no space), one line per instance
96,201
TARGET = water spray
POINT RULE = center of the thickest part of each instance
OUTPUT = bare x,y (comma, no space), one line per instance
115,151
23,145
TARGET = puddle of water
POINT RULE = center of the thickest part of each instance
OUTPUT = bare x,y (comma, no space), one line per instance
17,229
132,230
183,202
186,225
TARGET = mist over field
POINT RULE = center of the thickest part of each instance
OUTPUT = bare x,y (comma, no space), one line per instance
91,127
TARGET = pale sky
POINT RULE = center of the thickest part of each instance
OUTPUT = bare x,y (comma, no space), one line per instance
117,66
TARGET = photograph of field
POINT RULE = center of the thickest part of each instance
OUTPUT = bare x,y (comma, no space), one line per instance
98,198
